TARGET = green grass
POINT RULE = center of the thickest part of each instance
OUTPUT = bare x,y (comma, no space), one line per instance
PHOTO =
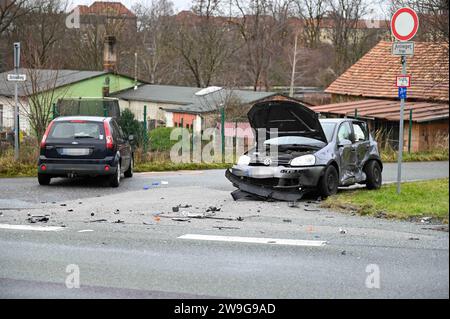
435,155
417,199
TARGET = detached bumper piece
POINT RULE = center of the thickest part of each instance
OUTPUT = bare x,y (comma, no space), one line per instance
262,189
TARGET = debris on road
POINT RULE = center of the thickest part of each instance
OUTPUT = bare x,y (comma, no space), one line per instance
181,219
63,205
439,228
425,220
413,238
70,210
164,183
119,221
312,209
213,209
96,221
342,231
225,227
92,214
175,209
343,252
240,219
147,223
38,218
287,220
85,231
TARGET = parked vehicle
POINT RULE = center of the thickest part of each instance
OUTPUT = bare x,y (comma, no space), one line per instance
311,154
85,146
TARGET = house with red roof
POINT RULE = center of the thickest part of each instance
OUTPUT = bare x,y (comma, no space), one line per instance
368,90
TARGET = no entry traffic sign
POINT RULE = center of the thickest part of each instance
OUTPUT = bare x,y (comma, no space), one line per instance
404,24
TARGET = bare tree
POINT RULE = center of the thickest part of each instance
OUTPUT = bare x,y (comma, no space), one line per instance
311,13
42,32
10,10
201,41
262,26
154,29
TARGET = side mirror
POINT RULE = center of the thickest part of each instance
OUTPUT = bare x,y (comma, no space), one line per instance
344,142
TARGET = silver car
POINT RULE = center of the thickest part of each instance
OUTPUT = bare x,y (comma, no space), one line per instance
306,154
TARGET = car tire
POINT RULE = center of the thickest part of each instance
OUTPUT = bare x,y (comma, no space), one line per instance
114,180
129,171
373,173
44,179
329,182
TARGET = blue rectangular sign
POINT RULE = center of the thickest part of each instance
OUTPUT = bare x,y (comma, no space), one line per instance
402,92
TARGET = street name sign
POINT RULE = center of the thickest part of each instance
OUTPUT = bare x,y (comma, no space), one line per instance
16,77
403,48
403,81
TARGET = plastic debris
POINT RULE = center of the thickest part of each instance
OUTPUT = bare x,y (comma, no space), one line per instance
425,220
342,231
164,182
85,231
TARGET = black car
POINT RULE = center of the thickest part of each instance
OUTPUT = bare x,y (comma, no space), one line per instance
85,146
308,154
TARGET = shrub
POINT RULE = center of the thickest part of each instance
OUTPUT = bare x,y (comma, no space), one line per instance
131,126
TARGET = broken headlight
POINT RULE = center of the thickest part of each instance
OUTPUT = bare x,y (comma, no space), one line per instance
244,160
305,160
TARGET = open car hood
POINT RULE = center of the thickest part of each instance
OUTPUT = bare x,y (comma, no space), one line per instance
290,118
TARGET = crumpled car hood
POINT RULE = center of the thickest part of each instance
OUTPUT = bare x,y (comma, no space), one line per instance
290,118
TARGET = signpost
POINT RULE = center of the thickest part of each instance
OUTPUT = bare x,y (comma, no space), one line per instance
404,26
16,104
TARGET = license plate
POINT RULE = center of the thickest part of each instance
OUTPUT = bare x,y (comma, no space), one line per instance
75,151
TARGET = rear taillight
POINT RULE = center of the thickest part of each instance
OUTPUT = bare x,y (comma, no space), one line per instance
108,136
47,131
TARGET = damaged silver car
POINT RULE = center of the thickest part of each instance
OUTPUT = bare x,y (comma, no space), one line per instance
298,153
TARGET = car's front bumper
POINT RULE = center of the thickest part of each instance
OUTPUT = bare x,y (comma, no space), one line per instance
281,183
77,167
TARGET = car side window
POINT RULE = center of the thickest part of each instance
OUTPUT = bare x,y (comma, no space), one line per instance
360,131
344,132
116,129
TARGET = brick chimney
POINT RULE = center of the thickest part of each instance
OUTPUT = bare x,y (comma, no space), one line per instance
109,54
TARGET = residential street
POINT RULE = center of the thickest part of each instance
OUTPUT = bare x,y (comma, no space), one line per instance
129,243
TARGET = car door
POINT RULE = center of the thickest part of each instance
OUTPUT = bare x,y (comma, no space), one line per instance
122,145
346,152
361,144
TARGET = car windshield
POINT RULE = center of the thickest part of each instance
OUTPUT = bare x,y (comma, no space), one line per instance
77,129
328,129
291,140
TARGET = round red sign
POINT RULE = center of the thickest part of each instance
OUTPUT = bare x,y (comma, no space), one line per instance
404,24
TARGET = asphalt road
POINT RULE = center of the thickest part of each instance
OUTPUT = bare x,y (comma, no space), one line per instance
126,243
25,192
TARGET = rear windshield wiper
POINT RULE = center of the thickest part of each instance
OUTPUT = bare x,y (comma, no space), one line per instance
83,136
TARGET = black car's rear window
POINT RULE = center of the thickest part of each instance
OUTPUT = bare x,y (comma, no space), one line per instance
77,129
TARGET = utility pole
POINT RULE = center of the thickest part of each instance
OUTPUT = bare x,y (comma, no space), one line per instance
16,102
294,62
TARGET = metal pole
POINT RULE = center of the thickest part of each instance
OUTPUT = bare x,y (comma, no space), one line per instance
294,62
400,134
145,129
356,113
222,128
16,101
410,130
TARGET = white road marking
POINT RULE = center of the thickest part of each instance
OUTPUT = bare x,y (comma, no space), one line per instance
256,240
29,227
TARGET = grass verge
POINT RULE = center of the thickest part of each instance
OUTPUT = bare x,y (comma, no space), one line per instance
417,200
436,155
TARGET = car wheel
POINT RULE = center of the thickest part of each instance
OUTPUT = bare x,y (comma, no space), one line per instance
129,171
373,173
329,182
44,179
114,180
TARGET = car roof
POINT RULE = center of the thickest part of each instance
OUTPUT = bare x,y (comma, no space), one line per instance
82,118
